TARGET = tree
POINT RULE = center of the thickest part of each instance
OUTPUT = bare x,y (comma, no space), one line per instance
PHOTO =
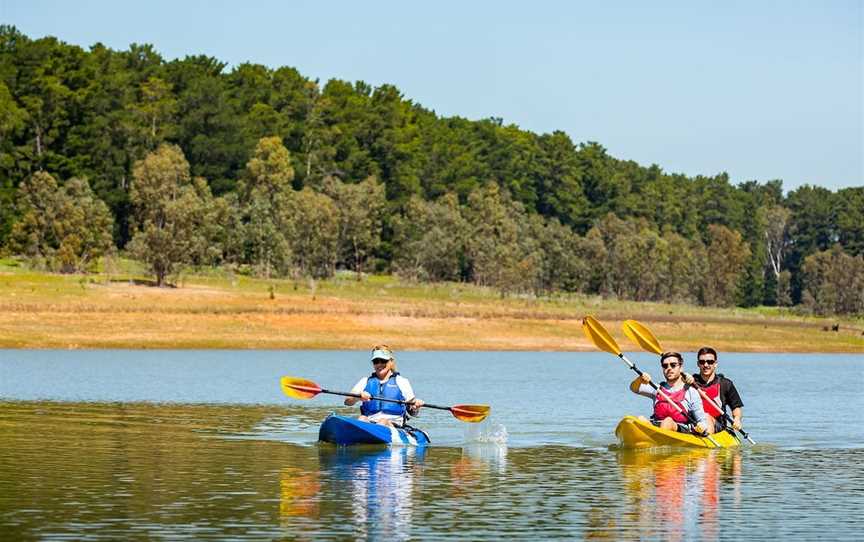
66,226
834,282
263,199
170,212
850,219
493,250
312,220
429,239
726,257
361,209
153,113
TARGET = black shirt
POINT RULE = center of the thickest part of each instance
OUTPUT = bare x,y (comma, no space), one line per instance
728,394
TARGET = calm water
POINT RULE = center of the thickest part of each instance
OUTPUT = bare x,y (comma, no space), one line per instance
185,444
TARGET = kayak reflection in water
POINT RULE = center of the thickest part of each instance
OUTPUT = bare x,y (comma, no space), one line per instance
380,497
666,415
678,496
385,382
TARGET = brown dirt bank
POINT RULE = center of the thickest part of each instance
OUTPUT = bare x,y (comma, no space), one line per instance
128,315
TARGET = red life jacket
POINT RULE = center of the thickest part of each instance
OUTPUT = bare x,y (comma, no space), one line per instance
664,409
713,391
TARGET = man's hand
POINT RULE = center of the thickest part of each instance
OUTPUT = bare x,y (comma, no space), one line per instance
736,424
646,378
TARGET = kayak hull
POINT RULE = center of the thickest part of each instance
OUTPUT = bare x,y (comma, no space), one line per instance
346,431
634,433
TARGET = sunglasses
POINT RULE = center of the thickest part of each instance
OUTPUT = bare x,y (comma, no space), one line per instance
706,361
379,361
669,365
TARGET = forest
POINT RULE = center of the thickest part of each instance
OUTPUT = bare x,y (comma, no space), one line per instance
187,163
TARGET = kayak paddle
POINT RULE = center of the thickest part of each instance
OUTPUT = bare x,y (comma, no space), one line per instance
641,335
300,388
601,338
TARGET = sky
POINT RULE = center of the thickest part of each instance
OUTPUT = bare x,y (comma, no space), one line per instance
761,90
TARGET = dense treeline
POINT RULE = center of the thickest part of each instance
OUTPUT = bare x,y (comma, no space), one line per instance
186,163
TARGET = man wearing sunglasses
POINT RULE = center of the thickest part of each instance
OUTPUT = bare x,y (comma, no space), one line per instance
719,389
675,392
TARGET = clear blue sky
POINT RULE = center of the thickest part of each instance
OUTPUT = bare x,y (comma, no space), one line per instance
759,89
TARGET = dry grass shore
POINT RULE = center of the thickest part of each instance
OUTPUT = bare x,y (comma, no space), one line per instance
42,310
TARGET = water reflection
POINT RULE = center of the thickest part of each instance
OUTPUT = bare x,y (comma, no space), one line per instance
677,494
382,485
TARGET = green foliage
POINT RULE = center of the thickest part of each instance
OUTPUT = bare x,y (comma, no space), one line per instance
834,282
256,137
727,255
430,240
361,211
67,227
313,226
170,213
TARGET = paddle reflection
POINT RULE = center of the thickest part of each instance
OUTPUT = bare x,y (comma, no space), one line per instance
474,466
678,494
381,483
299,494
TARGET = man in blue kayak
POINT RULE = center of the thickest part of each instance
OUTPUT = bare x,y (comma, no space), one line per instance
719,391
387,383
671,408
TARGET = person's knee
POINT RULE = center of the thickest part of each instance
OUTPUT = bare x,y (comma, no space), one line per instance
669,424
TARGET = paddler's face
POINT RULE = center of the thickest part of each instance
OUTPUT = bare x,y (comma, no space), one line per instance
381,367
671,368
707,365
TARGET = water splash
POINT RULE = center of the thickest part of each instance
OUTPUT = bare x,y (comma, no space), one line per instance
486,433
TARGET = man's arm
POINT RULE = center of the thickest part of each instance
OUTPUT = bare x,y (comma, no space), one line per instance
731,398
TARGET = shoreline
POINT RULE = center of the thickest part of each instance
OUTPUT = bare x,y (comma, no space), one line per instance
48,311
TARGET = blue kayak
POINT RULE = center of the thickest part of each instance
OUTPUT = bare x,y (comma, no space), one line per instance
346,431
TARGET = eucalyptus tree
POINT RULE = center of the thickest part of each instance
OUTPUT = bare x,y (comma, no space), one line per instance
361,213
312,221
170,212
834,282
726,258
262,202
429,239
493,250
66,226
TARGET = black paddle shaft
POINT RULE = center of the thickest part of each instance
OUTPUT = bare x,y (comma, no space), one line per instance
374,398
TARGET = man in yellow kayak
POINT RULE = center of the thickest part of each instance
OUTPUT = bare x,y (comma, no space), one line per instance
666,414
718,391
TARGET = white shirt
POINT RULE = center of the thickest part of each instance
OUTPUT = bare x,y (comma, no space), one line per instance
404,387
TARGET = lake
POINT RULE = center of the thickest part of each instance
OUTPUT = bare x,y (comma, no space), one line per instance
107,445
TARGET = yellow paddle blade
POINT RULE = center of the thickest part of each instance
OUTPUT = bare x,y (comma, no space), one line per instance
470,413
299,388
595,331
642,336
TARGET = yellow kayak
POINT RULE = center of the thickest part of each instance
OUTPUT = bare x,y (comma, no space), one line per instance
635,433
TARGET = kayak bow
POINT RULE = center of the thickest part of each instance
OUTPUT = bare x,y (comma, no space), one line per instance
346,431
633,432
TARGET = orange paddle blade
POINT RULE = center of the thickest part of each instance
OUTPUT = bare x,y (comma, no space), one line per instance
642,336
595,331
470,413
299,388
